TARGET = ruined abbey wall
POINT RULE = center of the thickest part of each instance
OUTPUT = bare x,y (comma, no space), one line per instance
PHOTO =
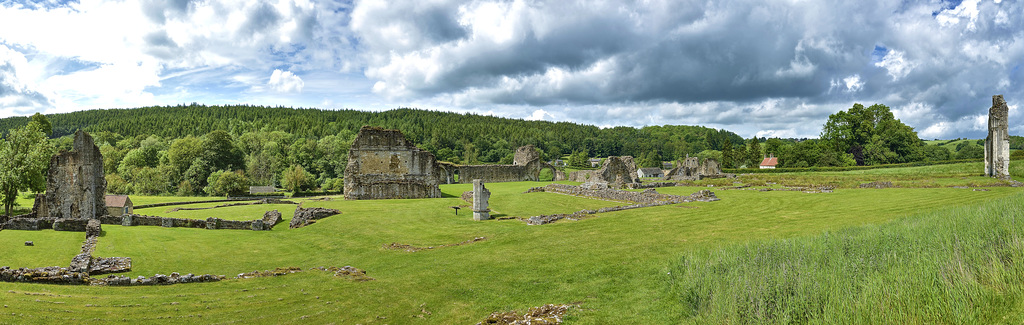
526,167
383,164
75,186
997,144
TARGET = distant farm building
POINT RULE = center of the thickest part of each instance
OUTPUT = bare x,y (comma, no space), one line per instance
650,172
769,162
666,165
119,205
595,162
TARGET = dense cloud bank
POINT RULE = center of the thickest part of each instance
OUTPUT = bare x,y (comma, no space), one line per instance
754,67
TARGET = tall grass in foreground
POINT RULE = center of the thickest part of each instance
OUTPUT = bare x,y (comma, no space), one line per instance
960,265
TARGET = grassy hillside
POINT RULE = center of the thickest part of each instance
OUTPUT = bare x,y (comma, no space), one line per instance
616,265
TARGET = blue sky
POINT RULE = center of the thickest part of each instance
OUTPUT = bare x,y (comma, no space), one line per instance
755,67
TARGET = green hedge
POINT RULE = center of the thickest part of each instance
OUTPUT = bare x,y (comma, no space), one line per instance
844,169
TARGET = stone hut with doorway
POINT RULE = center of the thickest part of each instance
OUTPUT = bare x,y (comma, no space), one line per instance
119,205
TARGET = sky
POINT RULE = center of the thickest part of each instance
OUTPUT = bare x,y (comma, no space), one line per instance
767,68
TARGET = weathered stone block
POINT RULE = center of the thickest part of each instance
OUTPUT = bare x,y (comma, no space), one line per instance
167,222
128,220
67,224
271,218
258,225
213,223
92,228
480,197
303,216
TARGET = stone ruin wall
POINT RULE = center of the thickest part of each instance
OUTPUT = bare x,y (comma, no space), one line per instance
498,173
526,166
997,144
691,170
617,171
75,186
383,164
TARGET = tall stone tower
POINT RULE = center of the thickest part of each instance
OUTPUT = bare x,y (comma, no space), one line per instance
75,186
997,144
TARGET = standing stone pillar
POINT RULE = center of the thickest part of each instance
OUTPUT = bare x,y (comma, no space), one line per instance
480,197
997,144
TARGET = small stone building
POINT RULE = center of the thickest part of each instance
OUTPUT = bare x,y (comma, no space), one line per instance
650,172
119,205
261,189
769,162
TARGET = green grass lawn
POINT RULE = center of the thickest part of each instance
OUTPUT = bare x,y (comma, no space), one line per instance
614,264
952,145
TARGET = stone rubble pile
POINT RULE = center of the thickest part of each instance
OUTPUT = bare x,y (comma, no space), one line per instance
547,314
411,248
306,216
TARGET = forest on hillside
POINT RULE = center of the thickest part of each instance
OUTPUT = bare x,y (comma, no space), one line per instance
184,149
218,150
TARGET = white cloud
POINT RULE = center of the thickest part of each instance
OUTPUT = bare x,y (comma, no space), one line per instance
285,82
540,115
896,65
853,83
18,95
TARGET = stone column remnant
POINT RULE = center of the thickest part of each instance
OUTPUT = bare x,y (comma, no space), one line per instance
480,197
997,144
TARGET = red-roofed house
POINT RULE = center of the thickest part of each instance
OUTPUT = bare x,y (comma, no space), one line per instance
769,162
119,205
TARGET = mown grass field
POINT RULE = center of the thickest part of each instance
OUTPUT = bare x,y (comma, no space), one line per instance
617,265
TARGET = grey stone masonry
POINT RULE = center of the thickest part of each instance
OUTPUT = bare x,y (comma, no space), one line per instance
481,195
997,144
75,184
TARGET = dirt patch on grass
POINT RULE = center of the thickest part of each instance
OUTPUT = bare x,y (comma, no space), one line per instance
546,314
411,248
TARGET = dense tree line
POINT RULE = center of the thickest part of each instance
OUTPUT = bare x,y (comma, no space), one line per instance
218,150
196,149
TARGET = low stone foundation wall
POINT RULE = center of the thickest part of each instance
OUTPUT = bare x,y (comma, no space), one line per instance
647,198
29,223
66,224
50,275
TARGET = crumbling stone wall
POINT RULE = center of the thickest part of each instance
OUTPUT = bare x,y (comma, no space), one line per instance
526,167
75,187
29,223
65,224
498,173
524,155
693,171
383,164
997,144
617,171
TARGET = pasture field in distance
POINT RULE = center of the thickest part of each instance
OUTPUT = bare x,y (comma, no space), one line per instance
620,267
